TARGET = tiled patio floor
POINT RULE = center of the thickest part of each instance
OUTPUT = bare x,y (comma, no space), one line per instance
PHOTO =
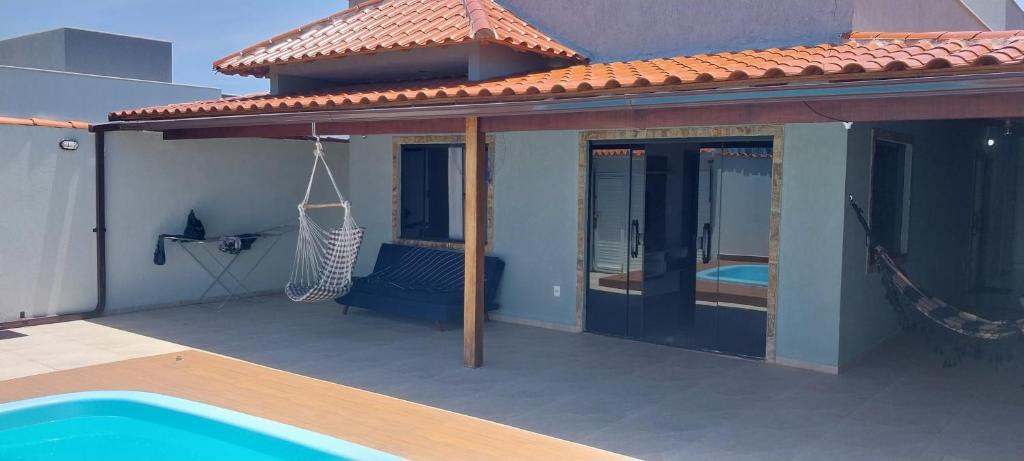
61,346
638,399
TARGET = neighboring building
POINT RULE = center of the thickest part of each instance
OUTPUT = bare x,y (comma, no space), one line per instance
694,195
80,74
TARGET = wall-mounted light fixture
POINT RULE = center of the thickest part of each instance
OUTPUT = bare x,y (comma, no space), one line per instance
993,133
69,144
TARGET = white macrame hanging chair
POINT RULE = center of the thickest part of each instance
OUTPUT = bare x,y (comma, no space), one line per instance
325,256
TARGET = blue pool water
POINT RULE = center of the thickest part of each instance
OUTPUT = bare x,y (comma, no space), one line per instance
122,426
742,274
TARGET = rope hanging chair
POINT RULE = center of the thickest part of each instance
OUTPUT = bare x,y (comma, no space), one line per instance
324,256
954,332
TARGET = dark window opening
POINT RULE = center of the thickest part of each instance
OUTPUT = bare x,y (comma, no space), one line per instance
431,197
890,195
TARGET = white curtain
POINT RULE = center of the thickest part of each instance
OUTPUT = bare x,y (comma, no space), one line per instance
455,193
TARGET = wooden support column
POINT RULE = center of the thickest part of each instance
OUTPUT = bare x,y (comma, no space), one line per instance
475,231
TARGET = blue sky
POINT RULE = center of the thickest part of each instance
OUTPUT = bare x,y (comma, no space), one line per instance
202,30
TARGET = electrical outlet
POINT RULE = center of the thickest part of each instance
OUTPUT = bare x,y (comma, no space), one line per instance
558,291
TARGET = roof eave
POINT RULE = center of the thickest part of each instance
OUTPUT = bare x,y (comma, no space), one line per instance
987,83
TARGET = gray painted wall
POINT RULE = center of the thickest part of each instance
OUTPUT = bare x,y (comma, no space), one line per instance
535,211
47,255
369,178
997,14
69,96
90,52
611,30
536,219
1018,244
1014,15
810,244
940,216
915,15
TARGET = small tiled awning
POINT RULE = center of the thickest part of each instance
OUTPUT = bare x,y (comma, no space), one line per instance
865,56
614,152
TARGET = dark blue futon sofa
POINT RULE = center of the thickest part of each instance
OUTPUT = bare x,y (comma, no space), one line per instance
421,283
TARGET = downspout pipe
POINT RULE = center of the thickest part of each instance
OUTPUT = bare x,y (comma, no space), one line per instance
101,248
101,225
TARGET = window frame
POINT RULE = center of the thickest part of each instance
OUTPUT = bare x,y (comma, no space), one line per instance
428,199
396,189
907,142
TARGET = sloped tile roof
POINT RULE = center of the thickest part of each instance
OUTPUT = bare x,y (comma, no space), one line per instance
866,55
383,25
44,122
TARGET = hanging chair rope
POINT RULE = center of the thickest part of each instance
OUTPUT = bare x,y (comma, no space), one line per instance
324,256
905,296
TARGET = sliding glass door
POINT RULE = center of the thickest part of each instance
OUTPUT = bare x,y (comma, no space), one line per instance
679,244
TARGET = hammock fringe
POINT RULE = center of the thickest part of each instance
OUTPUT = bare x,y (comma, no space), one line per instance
954,333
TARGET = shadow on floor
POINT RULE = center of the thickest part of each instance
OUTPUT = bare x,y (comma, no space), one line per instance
643,400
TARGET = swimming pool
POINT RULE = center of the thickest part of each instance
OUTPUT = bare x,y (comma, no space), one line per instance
742,274
122,425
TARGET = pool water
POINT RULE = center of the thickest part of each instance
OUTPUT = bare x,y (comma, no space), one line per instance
741,274
122,426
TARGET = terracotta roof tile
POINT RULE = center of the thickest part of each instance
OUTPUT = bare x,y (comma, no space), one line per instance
44,122
383,25
865,55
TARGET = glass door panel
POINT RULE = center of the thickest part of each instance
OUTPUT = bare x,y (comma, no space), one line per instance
672,247
679,244
637,245
744,174
608,279
706,236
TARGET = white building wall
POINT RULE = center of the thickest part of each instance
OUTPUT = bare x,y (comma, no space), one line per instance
234,186
48,250
69,96
48,256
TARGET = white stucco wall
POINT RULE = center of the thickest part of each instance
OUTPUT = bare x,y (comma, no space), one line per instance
47,258
234,185
48,250
70,96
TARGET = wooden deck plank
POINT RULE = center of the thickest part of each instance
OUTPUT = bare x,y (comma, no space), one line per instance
396,426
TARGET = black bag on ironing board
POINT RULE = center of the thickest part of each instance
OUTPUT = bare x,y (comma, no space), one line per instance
193,230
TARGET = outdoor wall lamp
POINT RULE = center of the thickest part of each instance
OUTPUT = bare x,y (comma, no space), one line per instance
69,144
990,139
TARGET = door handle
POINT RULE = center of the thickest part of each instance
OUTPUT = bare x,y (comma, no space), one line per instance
706,243
636,238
